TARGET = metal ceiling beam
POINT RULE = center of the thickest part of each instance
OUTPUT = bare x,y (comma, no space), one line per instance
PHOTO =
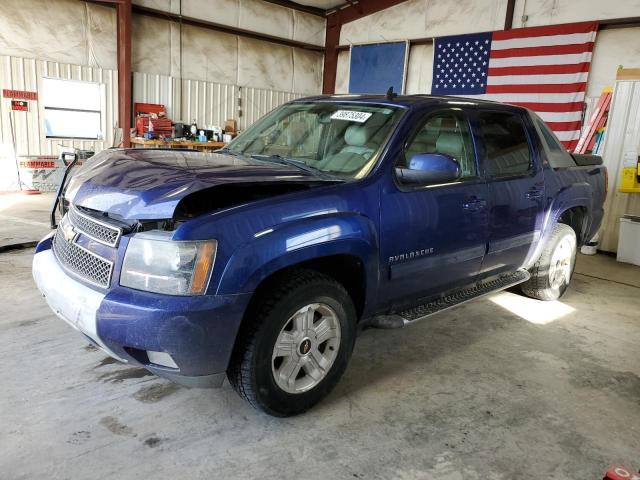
320,12
355,10
619,23
218,27
196,22
335,20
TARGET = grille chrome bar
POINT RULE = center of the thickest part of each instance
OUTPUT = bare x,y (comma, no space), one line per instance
93,228
81,262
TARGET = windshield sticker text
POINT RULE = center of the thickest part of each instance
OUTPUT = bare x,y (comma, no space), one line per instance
351,116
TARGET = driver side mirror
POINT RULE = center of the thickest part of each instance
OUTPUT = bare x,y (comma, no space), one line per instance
426,168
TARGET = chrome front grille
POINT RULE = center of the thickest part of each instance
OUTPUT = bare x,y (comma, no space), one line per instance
94,228
81,262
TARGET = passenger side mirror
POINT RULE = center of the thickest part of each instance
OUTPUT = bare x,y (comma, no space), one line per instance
426,168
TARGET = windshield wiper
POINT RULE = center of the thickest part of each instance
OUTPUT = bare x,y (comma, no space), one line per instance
226,151
296,163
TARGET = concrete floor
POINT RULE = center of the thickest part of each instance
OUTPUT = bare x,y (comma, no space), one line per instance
24,218
501,388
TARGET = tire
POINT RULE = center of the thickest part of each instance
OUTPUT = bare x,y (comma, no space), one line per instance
551,274
295,313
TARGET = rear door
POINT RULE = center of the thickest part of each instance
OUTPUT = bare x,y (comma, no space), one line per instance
516,189
433,237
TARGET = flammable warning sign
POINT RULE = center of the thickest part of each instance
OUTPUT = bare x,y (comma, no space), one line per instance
39,163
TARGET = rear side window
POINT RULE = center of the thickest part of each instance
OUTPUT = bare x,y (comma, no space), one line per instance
553,144
558,156
507,147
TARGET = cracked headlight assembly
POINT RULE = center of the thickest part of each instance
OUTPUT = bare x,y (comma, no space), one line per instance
155,263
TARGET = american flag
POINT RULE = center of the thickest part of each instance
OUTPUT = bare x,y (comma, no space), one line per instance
541,68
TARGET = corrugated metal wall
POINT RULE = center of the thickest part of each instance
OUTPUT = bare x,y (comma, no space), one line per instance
258,101
623,137
162,89
26,127
22,134
208,103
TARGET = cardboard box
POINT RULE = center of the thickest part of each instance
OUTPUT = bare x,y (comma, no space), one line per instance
230,126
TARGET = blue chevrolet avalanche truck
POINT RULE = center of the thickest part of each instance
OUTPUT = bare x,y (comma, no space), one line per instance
261,261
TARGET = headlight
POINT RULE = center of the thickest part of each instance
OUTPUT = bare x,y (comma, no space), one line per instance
156,263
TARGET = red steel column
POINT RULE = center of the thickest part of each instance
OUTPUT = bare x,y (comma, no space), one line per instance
332,39
124,68
508,20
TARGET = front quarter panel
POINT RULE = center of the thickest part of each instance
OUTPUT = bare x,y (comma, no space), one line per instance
292,243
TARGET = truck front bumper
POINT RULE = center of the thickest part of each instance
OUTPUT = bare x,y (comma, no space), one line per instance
188,340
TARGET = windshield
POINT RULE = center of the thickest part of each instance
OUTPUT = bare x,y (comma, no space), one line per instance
337,139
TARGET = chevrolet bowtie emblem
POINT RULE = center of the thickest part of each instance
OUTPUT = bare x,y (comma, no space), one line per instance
68,232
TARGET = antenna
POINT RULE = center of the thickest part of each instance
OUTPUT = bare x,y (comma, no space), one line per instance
390,93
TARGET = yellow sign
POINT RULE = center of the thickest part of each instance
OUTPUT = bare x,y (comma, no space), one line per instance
630,182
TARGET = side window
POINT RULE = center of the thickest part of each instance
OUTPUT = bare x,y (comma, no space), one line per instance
553,144
507,147
446,133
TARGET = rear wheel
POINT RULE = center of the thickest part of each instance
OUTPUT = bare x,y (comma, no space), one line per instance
297,345
551,274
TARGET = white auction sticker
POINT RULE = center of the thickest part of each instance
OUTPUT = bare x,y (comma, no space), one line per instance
351,116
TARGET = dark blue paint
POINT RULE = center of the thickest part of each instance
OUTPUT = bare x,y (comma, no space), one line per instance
431,168
515,220
148,184
198,332
45,243
412,241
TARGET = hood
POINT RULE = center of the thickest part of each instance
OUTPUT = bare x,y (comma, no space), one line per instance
149,184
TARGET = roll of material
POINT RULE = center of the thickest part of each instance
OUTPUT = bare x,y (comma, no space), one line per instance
591,247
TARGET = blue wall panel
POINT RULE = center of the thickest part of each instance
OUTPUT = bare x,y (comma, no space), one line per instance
375,68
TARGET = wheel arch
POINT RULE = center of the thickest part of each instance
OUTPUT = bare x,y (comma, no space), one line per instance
577,218
347,269
571,205
575,214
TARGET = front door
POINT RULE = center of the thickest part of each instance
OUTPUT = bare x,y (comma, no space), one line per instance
433,237
516,191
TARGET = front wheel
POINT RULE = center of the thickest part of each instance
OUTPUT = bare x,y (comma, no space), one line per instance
297,345
551,274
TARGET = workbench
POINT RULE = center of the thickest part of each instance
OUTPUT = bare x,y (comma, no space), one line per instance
138,142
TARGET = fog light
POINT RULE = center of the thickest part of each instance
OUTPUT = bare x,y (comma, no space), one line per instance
161,358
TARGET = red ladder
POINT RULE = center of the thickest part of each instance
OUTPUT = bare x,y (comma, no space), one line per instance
597,121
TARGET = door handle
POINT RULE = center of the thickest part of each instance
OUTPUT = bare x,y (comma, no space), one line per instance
534,194
474,204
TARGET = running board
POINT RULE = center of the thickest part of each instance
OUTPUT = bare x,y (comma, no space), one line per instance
420,312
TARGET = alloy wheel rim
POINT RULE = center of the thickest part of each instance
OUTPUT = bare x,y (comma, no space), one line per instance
306,348
560,265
